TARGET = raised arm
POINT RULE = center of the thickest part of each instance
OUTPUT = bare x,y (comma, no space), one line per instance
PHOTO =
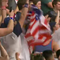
3,7
9,29
50,4
57,18
23,14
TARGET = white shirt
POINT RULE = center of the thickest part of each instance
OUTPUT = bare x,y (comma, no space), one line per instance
56,36
14,44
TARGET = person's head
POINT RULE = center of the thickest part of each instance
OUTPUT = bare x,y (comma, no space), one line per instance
20,4
54,26
37,57
48,54
58,54
37,3
51,16
56,4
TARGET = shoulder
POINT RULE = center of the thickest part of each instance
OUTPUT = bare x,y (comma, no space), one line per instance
46,1
55,46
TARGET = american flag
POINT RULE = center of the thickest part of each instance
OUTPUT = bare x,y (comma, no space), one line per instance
39,30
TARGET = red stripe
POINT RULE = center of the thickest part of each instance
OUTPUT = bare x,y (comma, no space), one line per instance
35,31
27,35
32,24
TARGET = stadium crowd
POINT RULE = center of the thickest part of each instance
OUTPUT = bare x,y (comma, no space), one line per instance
29,29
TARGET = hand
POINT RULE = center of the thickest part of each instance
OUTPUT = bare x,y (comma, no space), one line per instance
17,56
11,14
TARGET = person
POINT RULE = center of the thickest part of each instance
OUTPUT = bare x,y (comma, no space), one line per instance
37,57
13,45
56,6
4,54
9,29
46,6
55,27
58,54
52,43
39,46
48,55
54,12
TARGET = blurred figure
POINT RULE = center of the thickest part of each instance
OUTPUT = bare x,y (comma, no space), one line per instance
48,54
58,54
46,45
12,3
13,45
55,27
17,56
46,6
9,28
4,55
37,57
54,12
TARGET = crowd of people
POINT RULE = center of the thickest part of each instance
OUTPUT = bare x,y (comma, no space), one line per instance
30,29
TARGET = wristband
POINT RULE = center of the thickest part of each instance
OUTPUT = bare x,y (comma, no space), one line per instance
3,7
26,5
12,18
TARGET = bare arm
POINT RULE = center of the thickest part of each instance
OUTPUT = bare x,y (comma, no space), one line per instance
57,18
23,15
3,52
16,10
9,29
50,5
4,4
55,46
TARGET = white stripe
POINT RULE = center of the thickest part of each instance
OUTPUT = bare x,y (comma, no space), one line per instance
42,22
29,38
33,16
40,32
32,22
43,31
29,13
37,35
42,40
34,27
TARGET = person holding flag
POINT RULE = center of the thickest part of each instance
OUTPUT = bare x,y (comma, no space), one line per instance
38,34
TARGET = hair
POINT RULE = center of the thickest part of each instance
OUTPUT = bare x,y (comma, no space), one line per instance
0,3
55,2
58,53
37,57
52,25
20,4
47,54
35,1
